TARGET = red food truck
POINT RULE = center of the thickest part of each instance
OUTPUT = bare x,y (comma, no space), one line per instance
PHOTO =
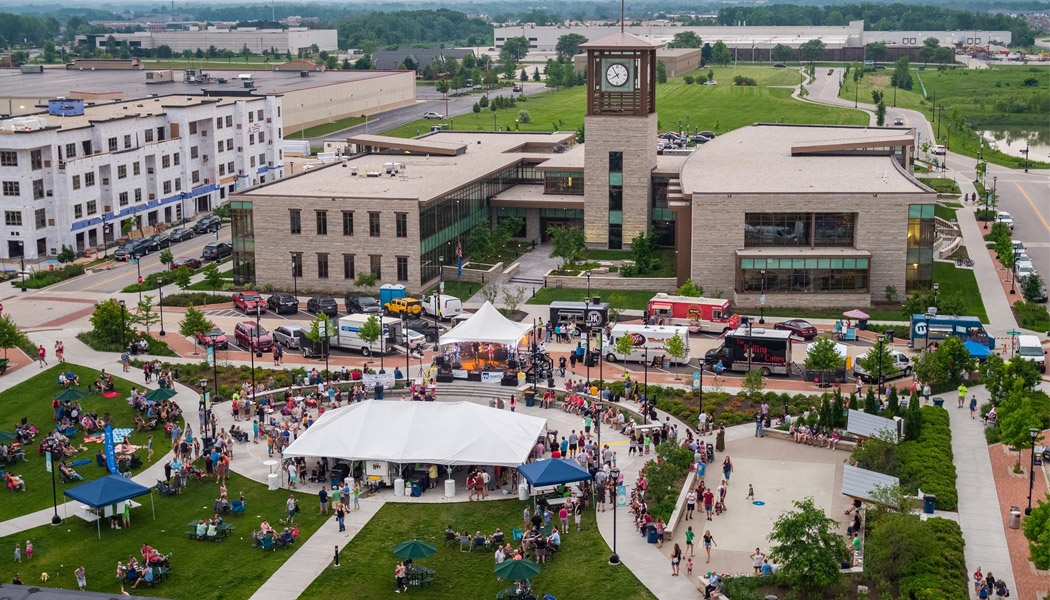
699,314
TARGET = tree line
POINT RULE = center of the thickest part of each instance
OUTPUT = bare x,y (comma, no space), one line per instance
432,27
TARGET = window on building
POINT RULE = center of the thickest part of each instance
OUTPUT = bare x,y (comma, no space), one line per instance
262,137
295,219
92,207
375,265
222,145
402,268
71,151
803,275
373,224
36,159
113,147
229,144
616,162
229,120
136,168
921,233
251,117
167,187
78,211
89,179
297,264
615,200
175,159
193,127
178,183
127,141
229,167
122,171
38,189
348,222
76,182
8,158
251,138
322,266
322,222
777,229
563,182
86,147
13,218
262,159
222,170
401,219
259,115
251,162
148,135
11,188
138,195
195,176
218,123
348,266
165,161
123,196
40,218
193,152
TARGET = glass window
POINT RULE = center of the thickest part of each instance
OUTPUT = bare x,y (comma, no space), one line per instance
401,219
555,182
89,179
13,218
297,264
615,236
375,265
616,162
348,222
8,158
776,229
38,189
112,142
36,160
322,266
71,150
295,218
322,222
373,224
804,275
402,268
122,171
76,182
40,216
834,229
135,168
348,266
12,188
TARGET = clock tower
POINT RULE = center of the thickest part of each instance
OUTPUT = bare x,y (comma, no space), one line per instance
620,135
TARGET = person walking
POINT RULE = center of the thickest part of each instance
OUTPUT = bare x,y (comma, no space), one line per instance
926,393
81,574
357,495
709,501
340,514
676,559
708,541
689,535
399,575
973,407
41,354
962,394
727,469
322,497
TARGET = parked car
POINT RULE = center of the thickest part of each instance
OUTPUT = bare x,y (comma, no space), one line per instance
415,339
322,304
779,66
207,224
710,135
1023,270
249,337
432,115
204,338
710,82
410,306
516,88
250,302
1005,218
361,302
132,249
939,149
181,234
425,327
283,303
289,335
158,240
187,261
802,328
898,121
216,251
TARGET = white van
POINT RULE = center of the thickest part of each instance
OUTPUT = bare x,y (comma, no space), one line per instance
901,364
649,341
451,306
1029,348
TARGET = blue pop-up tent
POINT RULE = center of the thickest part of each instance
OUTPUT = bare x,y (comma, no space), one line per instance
553,472
977,350
109,490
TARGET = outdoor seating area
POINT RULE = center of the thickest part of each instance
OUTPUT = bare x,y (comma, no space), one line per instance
153,568
267,538
209,529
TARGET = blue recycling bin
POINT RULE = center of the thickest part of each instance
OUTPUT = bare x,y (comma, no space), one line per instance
653,536
938,402
929,502
417,490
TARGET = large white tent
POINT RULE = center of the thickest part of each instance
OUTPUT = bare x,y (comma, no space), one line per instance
444,433
487,325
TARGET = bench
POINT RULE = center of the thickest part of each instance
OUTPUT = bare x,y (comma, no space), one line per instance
786,435
3,365
702,585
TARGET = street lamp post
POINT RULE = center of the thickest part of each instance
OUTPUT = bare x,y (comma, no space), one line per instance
105,230
645,392
160,290
215,382
295,282
408,351
928,316
762,299
588,274
936,286
182,206
614,476
987,197
882,339
22,262
1034,432
138,270
1026,156
749,349
57,520
437,297
701,363
598,425
253,345
587,332
123,324
995,187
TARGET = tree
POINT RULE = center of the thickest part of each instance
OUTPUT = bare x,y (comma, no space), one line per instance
876,51
145,315
314,334
245,53
624,345
690,289
871,405
897,542
567,243
705,54
476,109
951,362
876,96
929,49
661,72
441,86
524,117
878,360
182,276
536,74
720,54
366,280
893,405
49,51
675,347
753,384
166,257
515,48
913,419
212,277
1037,530
513,298
1017,416
811,50
490,293
480,245
10,335
370,330
880,114
193,322
878,453
106,323
901,74
164,51
782,53
643,251
66,255
686,39
126,226
823,356
808,546
569,45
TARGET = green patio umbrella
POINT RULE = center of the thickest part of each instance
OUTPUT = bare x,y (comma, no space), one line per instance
414,549
516,570
71,395
6,437
160,394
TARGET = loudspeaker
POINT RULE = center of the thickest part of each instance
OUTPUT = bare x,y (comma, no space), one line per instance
512,364
509,381
439,360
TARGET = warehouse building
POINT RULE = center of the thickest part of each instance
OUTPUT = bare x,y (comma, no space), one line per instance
291,40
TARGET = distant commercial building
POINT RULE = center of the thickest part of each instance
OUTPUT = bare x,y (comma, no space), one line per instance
392,59
677,61
311,99
282,40
70,170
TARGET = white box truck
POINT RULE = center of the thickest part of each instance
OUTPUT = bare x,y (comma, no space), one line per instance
648,342
1029,348
347,335
450,306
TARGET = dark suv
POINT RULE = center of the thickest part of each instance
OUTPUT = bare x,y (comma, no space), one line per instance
283,303
216,251
322,304
132,249
362,302
157,241
207,224
425,327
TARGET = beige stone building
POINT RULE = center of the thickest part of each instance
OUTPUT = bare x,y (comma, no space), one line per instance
804,215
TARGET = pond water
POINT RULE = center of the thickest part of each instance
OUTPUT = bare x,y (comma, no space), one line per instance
1013,140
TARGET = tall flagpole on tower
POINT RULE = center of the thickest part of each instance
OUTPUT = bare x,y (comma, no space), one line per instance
621,15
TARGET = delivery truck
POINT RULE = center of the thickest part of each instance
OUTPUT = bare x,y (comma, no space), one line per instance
648,342
348,334
747,349
698,313
450,306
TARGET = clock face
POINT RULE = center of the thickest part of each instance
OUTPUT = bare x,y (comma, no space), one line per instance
617,74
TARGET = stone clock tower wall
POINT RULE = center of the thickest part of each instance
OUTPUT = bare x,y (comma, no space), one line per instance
635,137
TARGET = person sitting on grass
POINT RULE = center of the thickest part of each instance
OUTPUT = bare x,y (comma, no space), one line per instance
68,472
14,482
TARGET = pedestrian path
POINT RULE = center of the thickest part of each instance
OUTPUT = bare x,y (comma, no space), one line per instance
979,511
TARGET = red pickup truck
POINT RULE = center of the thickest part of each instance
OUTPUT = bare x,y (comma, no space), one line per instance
249,302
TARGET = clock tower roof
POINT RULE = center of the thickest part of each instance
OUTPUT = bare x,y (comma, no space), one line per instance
621,41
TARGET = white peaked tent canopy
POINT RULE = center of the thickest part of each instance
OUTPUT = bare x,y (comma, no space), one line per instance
444,433
487,325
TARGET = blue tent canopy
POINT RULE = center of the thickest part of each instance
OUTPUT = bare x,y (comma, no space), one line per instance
106,491
977,349
553,472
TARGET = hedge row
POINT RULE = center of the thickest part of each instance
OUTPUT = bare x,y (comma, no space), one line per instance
42,279
664,478
927,463
940,575
195,299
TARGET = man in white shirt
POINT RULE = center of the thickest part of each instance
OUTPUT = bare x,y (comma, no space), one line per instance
702,428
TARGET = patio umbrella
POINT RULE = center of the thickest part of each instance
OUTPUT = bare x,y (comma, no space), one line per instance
414,549
516,570
6,437
71,395
160,394
856,314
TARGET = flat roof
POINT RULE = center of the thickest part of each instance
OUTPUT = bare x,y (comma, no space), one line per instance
570,160
423,145
132,82
864,485
863,425
423,177
531,195
131,109
762,159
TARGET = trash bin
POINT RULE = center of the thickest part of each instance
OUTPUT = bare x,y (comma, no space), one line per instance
889,335
273,482
523,491
417,490
652,536
530,397
862,324
938,402
929,502
1015,517
399,487
450,488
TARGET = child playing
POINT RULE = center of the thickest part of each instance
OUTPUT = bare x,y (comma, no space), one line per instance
29,550
750,492
689,566
18,552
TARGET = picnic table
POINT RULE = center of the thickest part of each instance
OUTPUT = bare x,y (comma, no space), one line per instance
511,593
223,530
418,575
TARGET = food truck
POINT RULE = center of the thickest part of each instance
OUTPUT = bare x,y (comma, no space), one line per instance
698,313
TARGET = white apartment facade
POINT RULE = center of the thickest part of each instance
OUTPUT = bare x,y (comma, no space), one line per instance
68,173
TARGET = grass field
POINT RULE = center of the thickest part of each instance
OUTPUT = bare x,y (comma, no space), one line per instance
717,108
31,400
636,299
580,570
961,282
326,128
460,289
200,569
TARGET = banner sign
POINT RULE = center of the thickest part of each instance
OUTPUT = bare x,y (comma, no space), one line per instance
621,495
211,356
47,462
111,454
386,380
491,376
696,380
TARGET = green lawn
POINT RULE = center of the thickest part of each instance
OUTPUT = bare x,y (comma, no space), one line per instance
200,569
945,212
962,282
719,108
31,399
326,128
943,185
637,300
460,289
581,569
599,254
878,313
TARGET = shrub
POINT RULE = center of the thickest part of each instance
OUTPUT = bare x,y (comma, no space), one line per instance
42,279
195,299
926,463
1032,316
665,477
688,79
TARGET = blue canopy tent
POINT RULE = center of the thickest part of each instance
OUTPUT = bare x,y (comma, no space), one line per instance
977,350
109,490
553,471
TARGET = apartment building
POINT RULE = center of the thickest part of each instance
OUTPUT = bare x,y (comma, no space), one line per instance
74,175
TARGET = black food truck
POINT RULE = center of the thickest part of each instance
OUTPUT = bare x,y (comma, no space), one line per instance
745,349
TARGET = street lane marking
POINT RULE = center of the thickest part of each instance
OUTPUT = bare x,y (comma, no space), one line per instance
1032,204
